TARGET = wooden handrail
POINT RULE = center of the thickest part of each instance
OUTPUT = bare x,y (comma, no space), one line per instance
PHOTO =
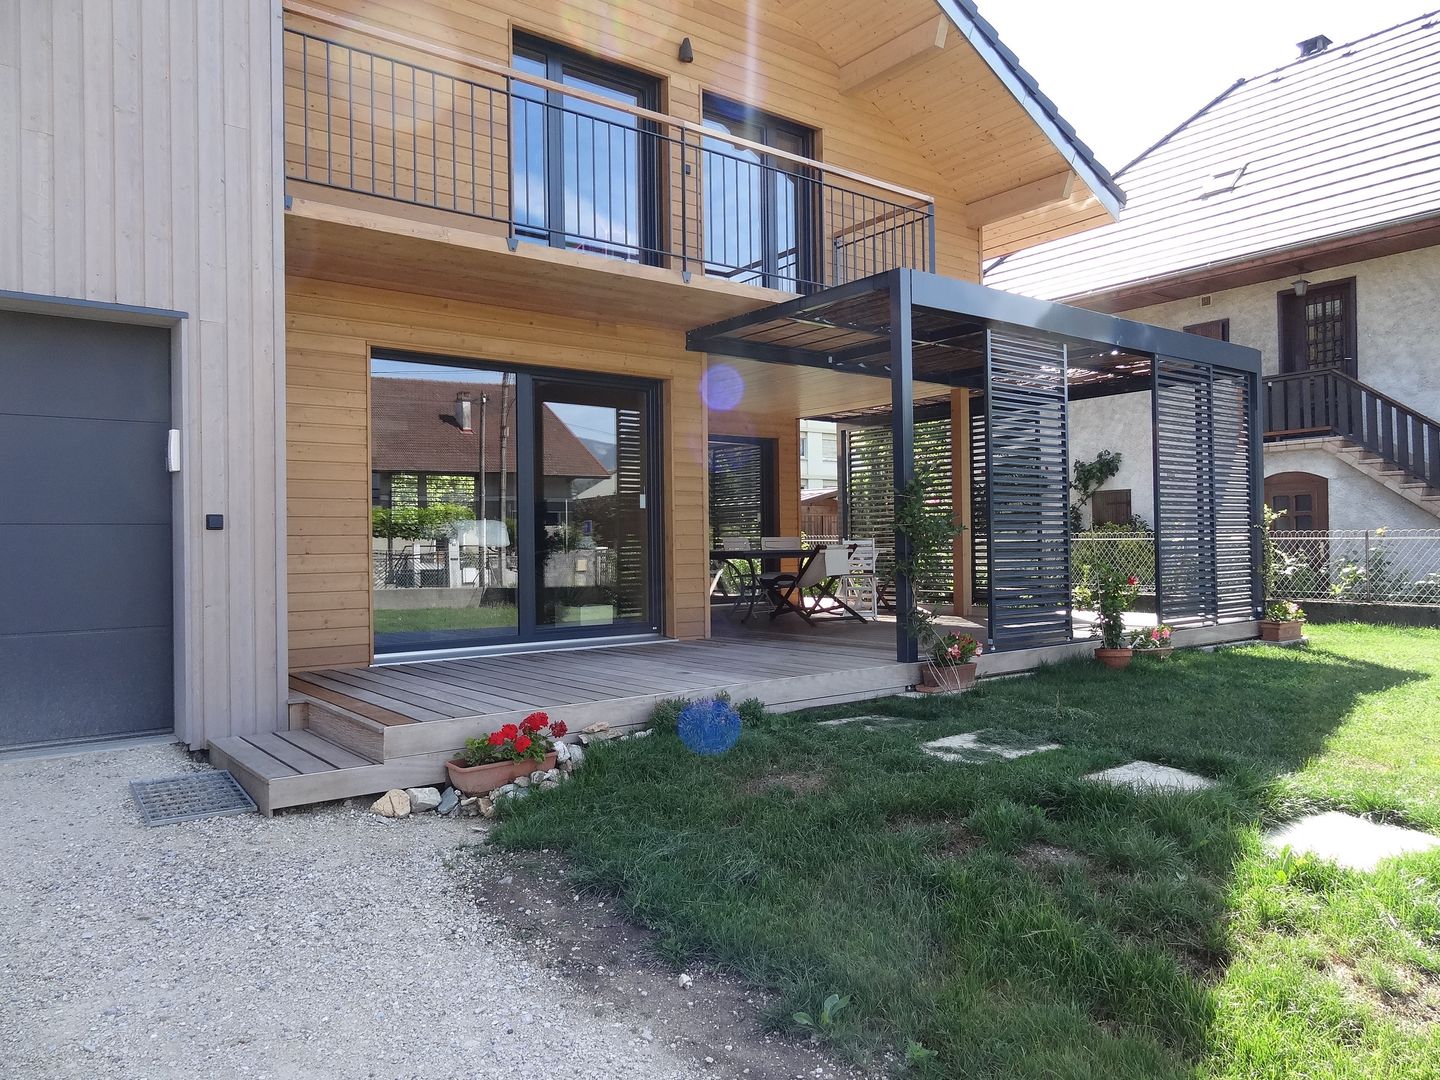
328,17
1399,434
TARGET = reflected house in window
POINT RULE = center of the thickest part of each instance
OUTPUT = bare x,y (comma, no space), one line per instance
424,456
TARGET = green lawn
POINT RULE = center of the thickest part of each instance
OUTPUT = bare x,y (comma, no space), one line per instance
1018,922
487,617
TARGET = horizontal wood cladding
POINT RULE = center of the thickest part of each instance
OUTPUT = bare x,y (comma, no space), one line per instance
332,329
779,68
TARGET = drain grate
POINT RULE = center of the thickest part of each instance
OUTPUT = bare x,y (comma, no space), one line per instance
190,796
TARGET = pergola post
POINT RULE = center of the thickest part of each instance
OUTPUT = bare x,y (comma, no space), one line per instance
962,553
902,432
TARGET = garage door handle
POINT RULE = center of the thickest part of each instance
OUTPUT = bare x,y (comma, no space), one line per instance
172,451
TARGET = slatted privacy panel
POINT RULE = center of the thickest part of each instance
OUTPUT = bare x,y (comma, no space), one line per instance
737,489
1204,493
870,495
1027,463
1237,540
979,508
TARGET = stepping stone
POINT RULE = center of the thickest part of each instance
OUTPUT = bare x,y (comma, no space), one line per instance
968,747
1351,841
1147,776
859,720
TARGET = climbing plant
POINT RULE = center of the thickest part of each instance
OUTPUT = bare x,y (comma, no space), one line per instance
1089,476
927,521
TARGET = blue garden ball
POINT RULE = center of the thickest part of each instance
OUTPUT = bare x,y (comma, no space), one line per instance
709,727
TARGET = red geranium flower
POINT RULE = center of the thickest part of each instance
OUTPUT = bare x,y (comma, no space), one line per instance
535,721
558,728
522,743
1132,580
509,731
496,738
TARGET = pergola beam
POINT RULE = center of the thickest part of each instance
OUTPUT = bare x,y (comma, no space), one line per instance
895,57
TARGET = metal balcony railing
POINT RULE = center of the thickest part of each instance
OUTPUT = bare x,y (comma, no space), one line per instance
557,165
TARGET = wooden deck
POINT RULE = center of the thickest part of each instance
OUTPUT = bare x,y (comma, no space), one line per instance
355,731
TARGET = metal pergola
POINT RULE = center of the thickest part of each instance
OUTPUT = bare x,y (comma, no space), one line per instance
1030,359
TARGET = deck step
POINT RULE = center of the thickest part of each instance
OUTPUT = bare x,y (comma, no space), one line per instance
358,734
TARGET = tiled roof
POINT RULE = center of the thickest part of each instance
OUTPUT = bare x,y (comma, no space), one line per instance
1334,144
415,431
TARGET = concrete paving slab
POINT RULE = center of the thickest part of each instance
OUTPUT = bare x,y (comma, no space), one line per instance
968,747
1148,776
1351,841
866,720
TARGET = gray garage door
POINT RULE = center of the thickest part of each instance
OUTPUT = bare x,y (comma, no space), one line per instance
85,617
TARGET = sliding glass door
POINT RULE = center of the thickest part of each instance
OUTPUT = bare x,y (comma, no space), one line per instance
509,506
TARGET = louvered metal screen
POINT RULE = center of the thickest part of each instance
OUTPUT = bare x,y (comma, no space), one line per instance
1204,492
870,494
631,564
1028,468
737,489
979,509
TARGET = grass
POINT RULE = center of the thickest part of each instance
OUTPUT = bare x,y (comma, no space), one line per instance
1022,923
487,617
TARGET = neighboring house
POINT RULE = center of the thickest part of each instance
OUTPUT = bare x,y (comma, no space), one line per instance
655,236
819,455
1298,213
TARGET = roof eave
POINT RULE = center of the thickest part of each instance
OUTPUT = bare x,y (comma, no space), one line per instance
1006,66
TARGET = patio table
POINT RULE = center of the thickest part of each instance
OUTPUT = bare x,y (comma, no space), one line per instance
745,561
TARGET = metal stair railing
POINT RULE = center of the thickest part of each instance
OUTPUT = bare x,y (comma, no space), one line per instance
1330,402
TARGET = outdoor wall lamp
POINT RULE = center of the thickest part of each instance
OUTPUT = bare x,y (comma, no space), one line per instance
1300,285
687,52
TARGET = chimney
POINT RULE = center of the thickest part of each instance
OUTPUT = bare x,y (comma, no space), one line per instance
1317,44
463,414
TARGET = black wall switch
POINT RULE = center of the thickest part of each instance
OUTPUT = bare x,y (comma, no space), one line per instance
214,522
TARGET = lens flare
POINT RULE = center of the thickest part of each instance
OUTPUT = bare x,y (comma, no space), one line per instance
721,388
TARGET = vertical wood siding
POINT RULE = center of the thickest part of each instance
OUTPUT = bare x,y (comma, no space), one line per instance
139,165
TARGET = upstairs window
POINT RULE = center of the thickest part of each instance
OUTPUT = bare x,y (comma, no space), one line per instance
1317,330
759,208
584,175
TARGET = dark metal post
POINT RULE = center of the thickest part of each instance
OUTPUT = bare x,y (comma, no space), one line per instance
902,431
842,482
931,216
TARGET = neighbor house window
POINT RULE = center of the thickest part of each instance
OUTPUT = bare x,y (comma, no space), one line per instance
1110,506
1317,330
1219,329
1301,499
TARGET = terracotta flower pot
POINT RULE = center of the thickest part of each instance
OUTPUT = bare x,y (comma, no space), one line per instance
1281,631
481,779
1114,658
1161,653
950,676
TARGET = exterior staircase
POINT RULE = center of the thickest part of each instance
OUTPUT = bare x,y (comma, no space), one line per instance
1391,443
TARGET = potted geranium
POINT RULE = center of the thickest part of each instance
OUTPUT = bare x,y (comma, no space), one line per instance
514,750
1284,621
952,662
1110,597
1153,641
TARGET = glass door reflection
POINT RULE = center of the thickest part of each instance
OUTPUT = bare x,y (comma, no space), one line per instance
593,536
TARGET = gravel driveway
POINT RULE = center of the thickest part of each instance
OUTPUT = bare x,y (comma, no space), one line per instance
329,943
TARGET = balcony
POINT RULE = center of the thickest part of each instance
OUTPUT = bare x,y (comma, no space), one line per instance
488,155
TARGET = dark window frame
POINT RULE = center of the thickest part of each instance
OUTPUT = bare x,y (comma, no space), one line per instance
1294,339
560,60
758,126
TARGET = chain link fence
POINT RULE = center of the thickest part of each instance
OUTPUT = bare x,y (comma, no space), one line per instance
1378,566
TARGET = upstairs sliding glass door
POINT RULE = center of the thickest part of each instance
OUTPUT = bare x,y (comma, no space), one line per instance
509,506
583,173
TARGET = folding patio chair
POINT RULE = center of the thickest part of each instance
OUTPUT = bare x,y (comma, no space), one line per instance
823,570
859,589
